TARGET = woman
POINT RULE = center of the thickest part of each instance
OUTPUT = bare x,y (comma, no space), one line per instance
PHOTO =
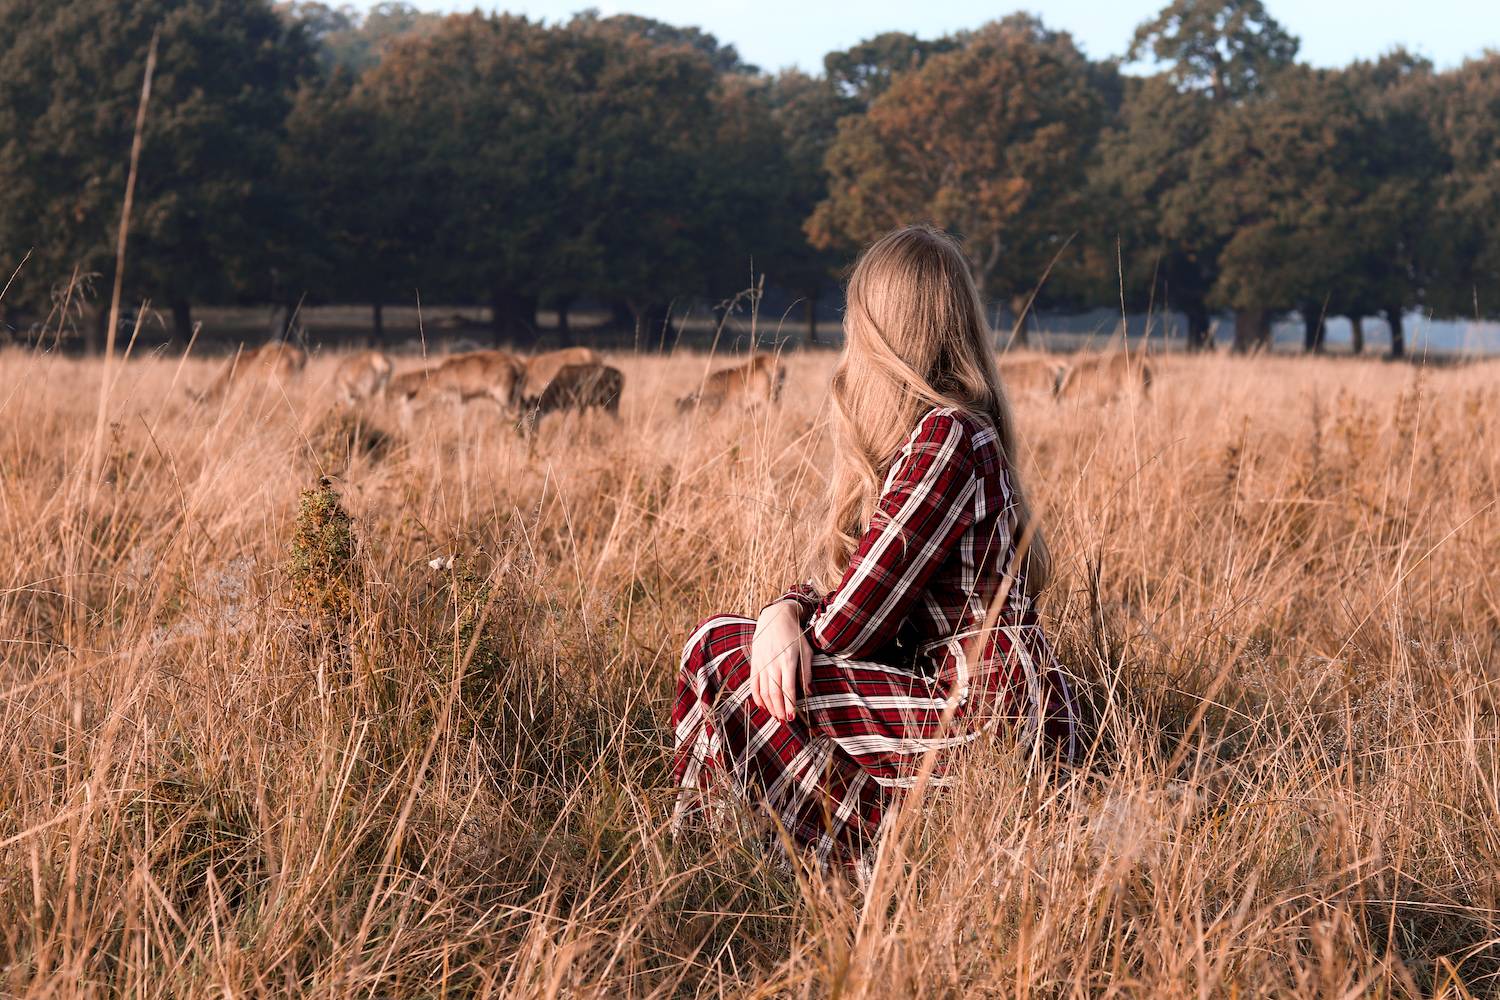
823,709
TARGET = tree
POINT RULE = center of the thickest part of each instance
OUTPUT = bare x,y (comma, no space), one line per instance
990,141
807,110
722,58
644,139
1163,161
1227,48
1143,186
862,73
477,119
357,199
1465,241
1398,166
1281,179
351,40
748,190
207,212
676,152
554,162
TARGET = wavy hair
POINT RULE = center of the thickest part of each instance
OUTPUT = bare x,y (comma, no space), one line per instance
915,339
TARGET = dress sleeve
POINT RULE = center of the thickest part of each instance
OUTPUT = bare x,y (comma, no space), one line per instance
927,505
805,596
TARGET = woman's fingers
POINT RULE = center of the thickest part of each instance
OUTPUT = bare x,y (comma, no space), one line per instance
775,705
777,663
755,672
787,678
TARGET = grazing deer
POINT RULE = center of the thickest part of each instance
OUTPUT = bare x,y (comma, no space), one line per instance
541,368
494,375
754,383
1104,376
277,361
361,375
576,387
1030,374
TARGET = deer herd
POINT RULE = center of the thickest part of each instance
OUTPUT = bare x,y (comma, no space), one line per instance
576,379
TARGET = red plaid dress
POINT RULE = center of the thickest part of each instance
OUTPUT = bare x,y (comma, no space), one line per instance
893,644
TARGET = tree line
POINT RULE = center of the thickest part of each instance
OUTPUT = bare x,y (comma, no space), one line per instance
298,152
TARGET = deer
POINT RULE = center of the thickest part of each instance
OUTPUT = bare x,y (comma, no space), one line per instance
1030,374
1104,375
752,384
576,387
493,375
541,368
362,375
277,361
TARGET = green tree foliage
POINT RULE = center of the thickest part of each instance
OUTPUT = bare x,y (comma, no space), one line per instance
722,58
642,135
1388,255
209,217
748,188
1228,48
598,159
350,39
346,166
1144,184
1164,162
862,73
476,124
357,201
807,110
1280,191
681,144
1465,107
1315,195
991,140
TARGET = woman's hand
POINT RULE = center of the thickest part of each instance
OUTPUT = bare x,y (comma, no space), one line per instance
778,655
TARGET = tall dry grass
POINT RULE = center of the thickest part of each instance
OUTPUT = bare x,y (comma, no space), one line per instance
252,747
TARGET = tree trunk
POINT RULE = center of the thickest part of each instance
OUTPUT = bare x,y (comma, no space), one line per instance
1315,328
1197,326
1398,331
377,325
288,324
1357,334
182,321
564,326
499,317
1252,330
621,315
1018,331
810,311
93,333
512,317
653,328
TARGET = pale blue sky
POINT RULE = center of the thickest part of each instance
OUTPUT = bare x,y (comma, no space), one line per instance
777,33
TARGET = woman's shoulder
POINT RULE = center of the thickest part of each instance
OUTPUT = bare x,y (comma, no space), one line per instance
956,425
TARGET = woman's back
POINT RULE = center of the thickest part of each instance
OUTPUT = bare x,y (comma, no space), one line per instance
936,554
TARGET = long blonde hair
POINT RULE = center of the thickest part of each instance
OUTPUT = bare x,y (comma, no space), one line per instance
915,338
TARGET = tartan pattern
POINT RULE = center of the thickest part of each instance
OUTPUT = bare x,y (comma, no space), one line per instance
892,646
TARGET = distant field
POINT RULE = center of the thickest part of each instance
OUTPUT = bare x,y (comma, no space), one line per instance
697,327
239,754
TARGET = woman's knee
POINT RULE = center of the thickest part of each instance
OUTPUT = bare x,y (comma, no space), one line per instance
713,637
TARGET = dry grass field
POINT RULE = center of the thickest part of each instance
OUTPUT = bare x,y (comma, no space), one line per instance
249,746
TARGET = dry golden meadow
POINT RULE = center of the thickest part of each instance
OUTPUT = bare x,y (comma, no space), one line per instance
250,746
